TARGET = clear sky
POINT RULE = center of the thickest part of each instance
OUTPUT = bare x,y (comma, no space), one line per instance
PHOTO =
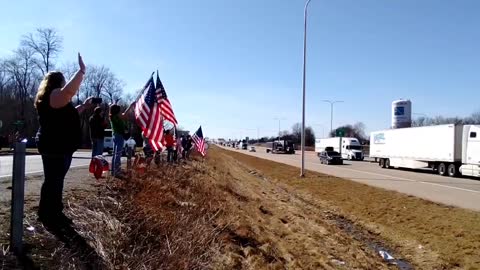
235,66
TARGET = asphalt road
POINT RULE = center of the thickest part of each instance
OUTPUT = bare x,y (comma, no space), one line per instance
460,192
33,163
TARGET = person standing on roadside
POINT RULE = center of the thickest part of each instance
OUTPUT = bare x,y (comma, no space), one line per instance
58,137
184,147
97,131
169,143
117,121
188,147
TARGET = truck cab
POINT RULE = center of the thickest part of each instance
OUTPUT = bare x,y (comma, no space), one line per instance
281,147
348,147
471,151
351,149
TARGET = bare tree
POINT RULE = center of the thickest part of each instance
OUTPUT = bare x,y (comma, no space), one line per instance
129,98
96,80
357,131
69,69
473,119
47,43
309,136
5,80
113,88
359,127
24,77
22,70
297,132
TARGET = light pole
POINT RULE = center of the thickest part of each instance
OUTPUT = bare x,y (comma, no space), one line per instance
279,119
302,172
331,111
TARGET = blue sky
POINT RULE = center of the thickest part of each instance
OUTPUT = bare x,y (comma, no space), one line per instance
235,66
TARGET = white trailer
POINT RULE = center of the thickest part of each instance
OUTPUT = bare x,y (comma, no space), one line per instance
349,148
448,149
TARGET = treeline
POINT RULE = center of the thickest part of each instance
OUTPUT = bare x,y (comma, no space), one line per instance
473,119
22,71
356,130
294,135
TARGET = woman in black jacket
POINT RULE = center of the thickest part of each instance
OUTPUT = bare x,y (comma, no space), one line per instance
59,136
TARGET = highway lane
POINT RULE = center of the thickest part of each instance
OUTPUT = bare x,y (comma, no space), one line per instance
33,163
460,192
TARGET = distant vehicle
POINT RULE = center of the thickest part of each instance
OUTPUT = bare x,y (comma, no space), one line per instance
243,145
330,157
446,149
129,145
252,149
347,147
31,142
108,141
281,147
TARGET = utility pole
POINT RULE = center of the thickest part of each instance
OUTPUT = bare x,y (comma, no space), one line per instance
279,119
302,171
331,111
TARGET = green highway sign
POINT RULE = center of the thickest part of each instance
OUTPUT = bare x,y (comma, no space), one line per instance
340,132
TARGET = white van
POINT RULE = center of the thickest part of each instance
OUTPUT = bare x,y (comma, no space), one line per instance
108,141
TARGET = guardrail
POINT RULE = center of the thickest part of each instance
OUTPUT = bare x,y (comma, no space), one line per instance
18,190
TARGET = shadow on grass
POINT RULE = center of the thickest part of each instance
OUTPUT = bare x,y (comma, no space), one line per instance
74,242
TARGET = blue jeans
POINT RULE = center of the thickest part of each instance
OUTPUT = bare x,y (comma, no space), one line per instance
55,167
117,153
97,147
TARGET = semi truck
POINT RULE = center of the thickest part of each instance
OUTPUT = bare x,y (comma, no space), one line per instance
451,150
280,147
348,147
243,145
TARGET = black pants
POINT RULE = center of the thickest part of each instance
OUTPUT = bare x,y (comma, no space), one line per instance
170,154
55,167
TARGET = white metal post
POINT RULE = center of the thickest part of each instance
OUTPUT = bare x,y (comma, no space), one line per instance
302,172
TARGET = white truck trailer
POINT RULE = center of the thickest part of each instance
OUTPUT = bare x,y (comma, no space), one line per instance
349,148
447,149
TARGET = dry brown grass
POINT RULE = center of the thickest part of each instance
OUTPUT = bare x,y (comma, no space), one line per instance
430,235
162,220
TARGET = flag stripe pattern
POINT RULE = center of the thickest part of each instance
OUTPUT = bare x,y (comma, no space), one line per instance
149,116
199,141
165,105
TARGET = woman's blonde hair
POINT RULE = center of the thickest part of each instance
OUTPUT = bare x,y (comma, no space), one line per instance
53,80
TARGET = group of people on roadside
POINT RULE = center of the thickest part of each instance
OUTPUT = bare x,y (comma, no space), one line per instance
97,124
182,146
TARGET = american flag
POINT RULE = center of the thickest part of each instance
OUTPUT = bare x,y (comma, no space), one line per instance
167,110
149,116
199,141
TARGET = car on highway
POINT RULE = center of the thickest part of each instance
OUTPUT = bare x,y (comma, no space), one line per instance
252,149
108,141
330,158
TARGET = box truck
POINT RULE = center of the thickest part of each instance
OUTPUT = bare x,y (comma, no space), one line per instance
349,148
447,149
